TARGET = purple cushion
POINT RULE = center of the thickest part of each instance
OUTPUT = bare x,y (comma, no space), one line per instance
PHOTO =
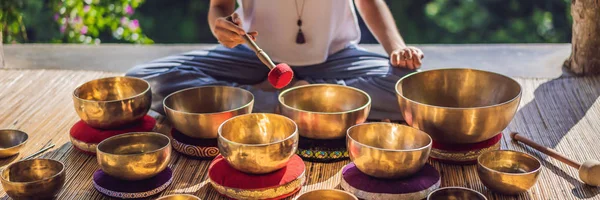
422,180
194,147
118,188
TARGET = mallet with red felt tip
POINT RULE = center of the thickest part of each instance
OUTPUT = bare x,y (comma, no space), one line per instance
280,75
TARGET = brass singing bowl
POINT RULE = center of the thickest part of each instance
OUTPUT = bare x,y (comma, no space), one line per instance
112,102
198,112
329,194
455,193
258,143
33,179
508,172
179,197
458,105
134,156
325,111
11,142
388,150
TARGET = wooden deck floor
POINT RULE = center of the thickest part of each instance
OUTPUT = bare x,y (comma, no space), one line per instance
560,113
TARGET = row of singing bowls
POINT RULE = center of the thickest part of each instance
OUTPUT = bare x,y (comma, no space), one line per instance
198,112
134,156
458,105
112,102
325,111
388,150
11,142
508,172
33,179
258,143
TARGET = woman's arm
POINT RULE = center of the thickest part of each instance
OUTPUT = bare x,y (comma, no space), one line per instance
227,33
379,20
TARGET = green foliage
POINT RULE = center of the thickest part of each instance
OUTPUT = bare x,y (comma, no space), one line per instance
185,21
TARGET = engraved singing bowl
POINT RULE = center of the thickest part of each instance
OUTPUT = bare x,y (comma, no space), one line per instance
508,172
329,194
458,105
11,142
455,193
179,197
325,111
134,156
198,112
33,179
112,102
258,143
388,150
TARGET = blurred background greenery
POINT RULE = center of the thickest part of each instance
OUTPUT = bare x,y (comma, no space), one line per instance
185,21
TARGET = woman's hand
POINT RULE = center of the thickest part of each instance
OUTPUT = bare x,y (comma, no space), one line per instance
229,33
407,57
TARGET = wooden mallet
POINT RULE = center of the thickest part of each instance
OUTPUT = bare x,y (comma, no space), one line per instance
589,171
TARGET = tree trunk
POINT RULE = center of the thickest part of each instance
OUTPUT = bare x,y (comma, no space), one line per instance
1,50
585,55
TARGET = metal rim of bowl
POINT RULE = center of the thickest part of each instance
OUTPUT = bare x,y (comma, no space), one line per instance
390,150
325,113
168,145
455,108
460,188
512,174
220,135
208,113
110,101
62,170
20,144
172,195
335,190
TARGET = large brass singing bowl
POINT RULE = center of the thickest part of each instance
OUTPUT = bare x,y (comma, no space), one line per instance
508,172
325,111
455,193
198,112
458,105
388,150
11,142
134,156
112,102
328,194
258,143
33,179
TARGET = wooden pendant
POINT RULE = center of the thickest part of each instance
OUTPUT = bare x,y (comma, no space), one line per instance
300,37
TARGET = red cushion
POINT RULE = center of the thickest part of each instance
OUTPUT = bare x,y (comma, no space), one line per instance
85,133
222,174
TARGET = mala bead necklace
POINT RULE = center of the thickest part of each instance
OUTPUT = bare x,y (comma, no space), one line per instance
300,37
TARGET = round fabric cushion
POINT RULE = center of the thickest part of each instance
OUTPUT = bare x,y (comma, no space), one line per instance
239,185
85,138
194,147
463,154
322,150
415,187
118,188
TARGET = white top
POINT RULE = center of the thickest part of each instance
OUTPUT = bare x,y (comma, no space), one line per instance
328,26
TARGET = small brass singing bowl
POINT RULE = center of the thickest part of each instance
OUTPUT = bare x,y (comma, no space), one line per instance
198,112
134,156
325,111
33,179
179,197
508,172
112,102
329,194
258,143
458,106
455,193
11,142
388,150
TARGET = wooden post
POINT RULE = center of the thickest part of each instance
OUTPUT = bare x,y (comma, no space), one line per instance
585,55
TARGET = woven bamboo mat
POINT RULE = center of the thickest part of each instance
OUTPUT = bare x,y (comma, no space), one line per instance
561,113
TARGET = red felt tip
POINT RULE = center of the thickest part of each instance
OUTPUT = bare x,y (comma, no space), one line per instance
281,75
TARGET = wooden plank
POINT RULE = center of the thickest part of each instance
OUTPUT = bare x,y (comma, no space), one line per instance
562,113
